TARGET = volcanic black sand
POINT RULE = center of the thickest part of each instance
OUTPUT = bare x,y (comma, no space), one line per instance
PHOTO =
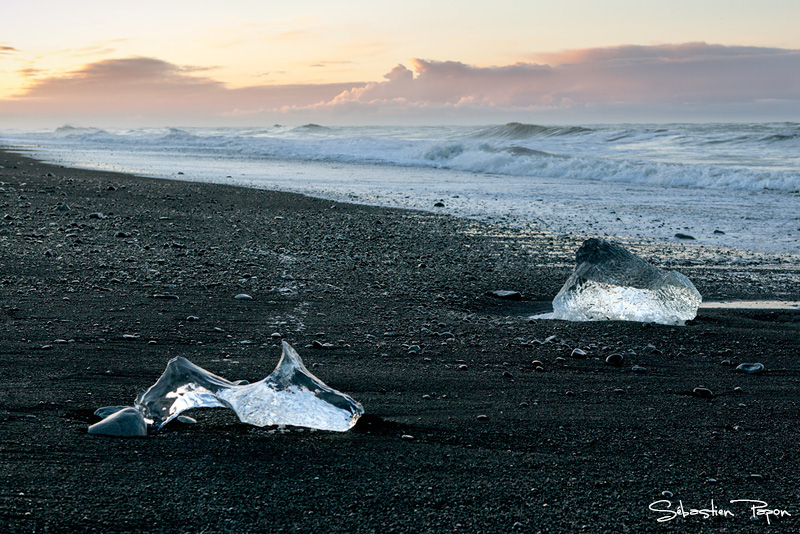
463,436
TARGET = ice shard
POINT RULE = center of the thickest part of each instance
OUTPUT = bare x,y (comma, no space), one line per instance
611,283
291,395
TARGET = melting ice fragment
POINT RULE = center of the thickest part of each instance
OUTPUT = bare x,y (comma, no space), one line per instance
611,283
291,395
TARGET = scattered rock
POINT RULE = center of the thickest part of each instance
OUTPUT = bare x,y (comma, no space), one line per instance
63,207
96,215
482,417
161,296
438,205
506,294
193,318
506,374
105,411
702,392
276,335
128,422
615,359
684,236
186,420
578,353
719,232
638,369
243,296
750,368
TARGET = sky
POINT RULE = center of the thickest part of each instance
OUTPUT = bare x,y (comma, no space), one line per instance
242,62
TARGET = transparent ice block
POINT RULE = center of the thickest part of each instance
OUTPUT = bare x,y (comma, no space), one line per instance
611,283
291,395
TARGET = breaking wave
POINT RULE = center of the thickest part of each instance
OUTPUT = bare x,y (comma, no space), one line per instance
739,156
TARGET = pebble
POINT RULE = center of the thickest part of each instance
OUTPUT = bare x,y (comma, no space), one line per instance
703,393
276,335
506,294
105,411
48,253
615,359
638,369
127,422
63,207
738,389
407,437
684,236
578,353
316,344
438,205
463,367
414,349
506,374
96,215
482,417
186,420
666,493
750,368
560,359
160,296
193,318
243,296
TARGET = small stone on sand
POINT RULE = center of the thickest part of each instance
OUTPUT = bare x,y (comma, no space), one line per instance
506,295
750,368
127,422
105,411
243,296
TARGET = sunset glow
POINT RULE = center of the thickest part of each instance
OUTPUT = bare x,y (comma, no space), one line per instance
362,62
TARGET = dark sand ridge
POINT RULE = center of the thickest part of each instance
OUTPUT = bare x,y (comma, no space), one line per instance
579,447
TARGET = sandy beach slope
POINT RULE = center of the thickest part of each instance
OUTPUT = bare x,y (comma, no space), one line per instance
461,435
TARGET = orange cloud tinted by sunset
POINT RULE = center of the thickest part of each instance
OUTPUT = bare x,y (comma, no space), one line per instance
690,75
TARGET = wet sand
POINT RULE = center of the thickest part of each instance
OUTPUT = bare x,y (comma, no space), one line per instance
463,436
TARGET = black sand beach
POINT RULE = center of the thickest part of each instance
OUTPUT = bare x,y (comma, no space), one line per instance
463,436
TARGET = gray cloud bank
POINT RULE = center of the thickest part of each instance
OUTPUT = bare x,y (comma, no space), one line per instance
692,81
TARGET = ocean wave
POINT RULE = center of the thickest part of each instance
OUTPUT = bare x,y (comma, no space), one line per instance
516,130
747,157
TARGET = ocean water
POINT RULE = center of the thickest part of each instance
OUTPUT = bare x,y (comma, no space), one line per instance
730,185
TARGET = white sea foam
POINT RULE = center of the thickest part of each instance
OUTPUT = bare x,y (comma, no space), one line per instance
633,180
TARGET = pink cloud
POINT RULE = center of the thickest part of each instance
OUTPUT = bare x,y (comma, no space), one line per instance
693,74
151,87
624,82
665,52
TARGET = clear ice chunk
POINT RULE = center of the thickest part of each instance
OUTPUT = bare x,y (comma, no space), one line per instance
291,395
611,283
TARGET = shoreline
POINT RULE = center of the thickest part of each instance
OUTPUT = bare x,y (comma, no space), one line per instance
495,446
651,213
